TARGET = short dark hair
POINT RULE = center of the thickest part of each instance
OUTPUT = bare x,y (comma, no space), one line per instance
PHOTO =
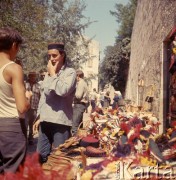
8,36
42,70
32,74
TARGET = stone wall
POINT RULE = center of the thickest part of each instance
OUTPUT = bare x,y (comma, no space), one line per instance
153,21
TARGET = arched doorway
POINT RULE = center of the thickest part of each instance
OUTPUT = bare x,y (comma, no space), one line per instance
168,82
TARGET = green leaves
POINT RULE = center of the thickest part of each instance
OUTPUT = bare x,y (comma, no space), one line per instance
28,17
68,27
125,17
114,68
44,21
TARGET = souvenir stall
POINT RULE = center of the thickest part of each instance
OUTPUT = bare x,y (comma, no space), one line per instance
116,144
120,143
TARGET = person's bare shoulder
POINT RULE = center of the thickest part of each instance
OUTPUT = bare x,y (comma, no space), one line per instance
13,71
14,68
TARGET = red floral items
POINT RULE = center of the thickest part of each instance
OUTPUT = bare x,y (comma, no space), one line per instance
32,170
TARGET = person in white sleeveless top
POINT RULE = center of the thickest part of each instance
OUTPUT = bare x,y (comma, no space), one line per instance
14,101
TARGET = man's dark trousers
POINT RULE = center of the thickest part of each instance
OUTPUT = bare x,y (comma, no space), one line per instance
78,110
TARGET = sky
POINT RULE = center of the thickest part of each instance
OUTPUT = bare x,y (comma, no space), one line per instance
105,29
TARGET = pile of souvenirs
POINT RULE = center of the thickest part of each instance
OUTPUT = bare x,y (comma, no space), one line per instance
116,144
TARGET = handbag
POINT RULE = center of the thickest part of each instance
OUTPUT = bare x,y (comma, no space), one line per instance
82,132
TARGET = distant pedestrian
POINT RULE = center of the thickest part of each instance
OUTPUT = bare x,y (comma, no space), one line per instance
121,101
115,100
107,100
93,99
98,103
80,101
102,98
42,74
34,87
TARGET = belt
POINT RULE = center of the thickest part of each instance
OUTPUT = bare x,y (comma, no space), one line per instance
83,103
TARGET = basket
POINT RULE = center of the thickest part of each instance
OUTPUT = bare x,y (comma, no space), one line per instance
82,131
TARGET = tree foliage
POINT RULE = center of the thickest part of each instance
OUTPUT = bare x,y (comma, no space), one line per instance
66,26
125,17
28,17
44,21
114,68
115,65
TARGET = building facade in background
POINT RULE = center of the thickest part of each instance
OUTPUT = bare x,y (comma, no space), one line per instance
91,67
149,77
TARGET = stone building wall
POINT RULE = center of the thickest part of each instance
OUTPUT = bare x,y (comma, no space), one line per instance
153,21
